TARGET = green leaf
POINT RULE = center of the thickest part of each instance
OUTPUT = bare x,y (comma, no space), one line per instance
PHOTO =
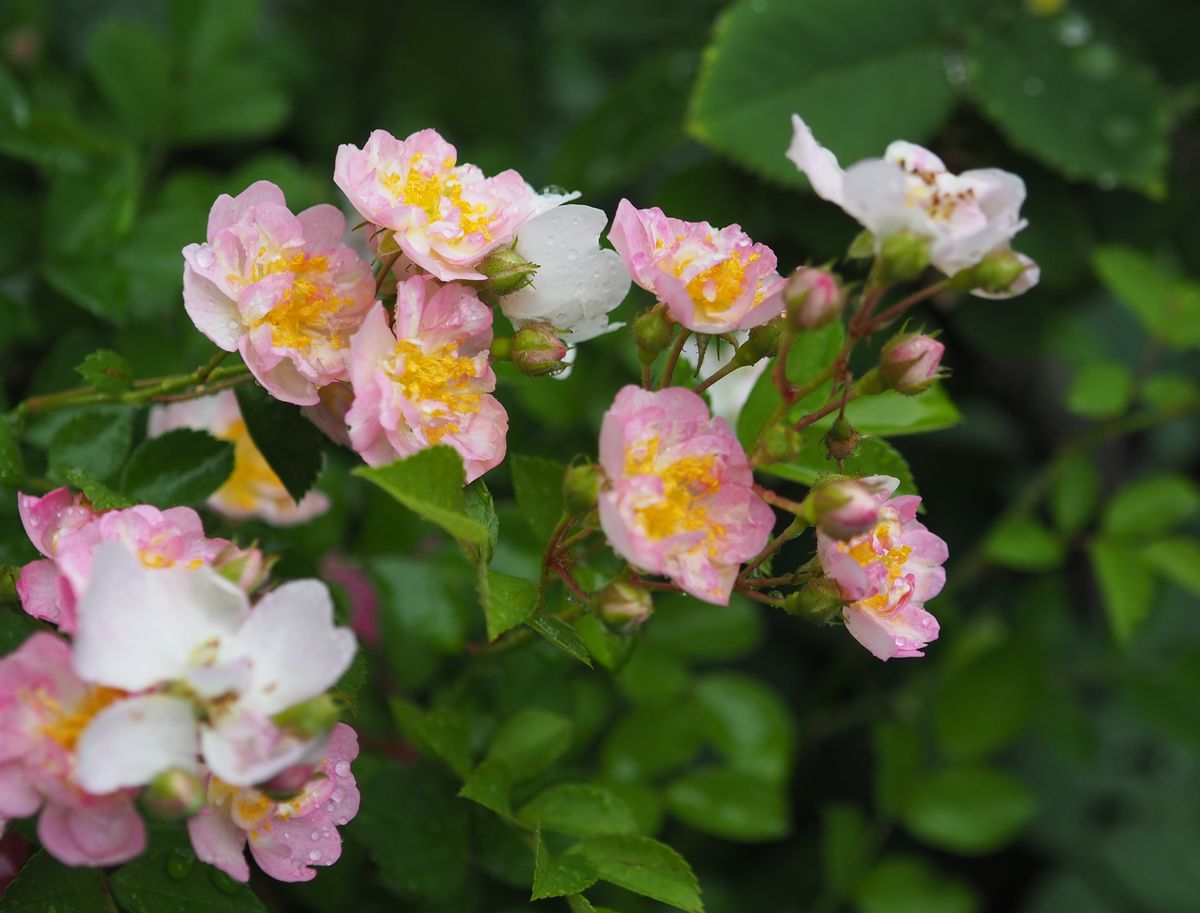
46,885
490,784
414,828
1074,493
1101,389
651,741
107,371
748,723
530,741
845,845
609,648
289,442
132,66
1169,392
563,636
906,884
482,509
875,456
180,467
1084,109
699,630
969,810
644,866
231,99
507,601
173,879
1167,306
101,496
730,804
1178,560
898,751
1126,586
1152,506
12,463
558,877
580,904
890,414
577,810
95,441
984,705
430,483
442,732
538,485
755,76
1024,544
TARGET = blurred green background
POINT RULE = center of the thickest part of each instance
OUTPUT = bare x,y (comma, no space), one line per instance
1044,757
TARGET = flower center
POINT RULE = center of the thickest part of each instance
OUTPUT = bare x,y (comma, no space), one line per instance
876,548
716,289
303,311
686,482
439,193
441,381
64,727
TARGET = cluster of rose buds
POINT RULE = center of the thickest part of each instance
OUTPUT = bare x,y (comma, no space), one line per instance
178,682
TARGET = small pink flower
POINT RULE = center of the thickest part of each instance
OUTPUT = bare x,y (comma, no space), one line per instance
964,217
253,490
887,575
678,499
68,533
711,280
426,380
282,289
286,837
44,708
445,217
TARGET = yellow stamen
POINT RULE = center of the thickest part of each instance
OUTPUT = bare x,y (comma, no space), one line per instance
686,482
439,376
64,727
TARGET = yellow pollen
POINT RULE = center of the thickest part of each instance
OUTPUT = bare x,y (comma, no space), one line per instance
718,287
252,480
686,482
893,559
303,311
427,191
439,376
66,726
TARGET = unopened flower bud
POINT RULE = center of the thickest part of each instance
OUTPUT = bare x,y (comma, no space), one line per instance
843,508
246,568
173,795
909,362
623,604
537,350
312,717
781,443
903,256
764,340
652,330
581,488
507,271
820,599
1003,273
289,782
842,440
814,298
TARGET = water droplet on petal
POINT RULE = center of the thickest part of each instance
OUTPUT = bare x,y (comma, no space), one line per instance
555,190
338,794
205,258
342,768
314,855
315,835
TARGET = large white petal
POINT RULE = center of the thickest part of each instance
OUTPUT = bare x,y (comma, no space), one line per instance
245,749
140,626
130,742
818,163
294,648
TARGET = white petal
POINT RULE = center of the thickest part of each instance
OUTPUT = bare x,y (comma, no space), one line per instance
245,749
128,743
875,195
577,283
914,158
293,646
139,626
818,163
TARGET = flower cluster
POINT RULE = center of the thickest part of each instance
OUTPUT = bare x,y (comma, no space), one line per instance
176,689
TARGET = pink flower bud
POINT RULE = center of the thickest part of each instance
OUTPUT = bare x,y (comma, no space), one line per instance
537,350
909,362
624,604
844,508
814,298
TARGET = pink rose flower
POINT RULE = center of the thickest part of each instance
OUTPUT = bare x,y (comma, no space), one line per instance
281,289
253,490
286,837
68,533
678,497
887,575
711,280
426,379
964,217
444,217
44,708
